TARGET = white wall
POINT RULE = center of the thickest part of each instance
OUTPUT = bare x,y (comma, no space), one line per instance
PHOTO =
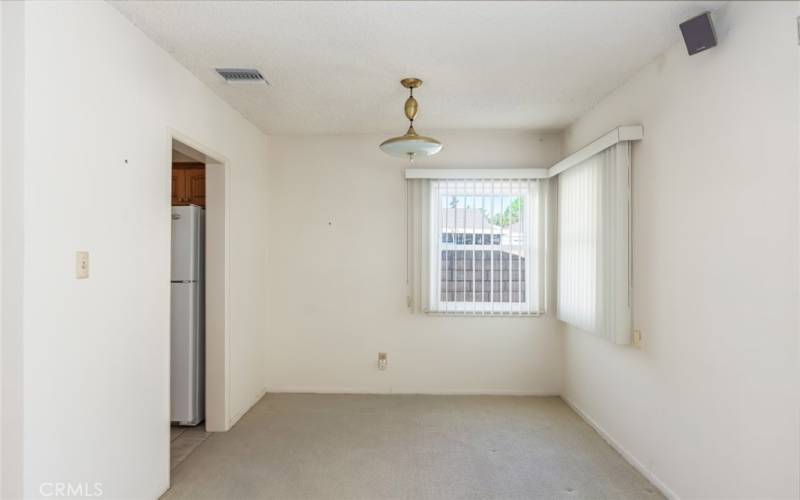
13,108
96,380
338,276
709,407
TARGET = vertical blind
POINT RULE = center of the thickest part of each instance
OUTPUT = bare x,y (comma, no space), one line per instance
577,244
480,245
594,253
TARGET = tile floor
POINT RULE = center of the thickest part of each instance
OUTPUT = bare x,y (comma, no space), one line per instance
183,441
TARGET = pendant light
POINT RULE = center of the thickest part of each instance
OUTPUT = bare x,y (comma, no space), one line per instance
411,144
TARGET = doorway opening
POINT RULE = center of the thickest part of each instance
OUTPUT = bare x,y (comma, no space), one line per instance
198,375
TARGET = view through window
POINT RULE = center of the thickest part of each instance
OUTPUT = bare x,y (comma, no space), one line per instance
483,245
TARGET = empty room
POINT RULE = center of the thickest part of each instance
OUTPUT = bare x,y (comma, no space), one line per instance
400,249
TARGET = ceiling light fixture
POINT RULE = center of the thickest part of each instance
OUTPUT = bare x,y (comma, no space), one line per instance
411,145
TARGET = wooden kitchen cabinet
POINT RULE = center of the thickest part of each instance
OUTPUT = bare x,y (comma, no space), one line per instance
178,187
189,184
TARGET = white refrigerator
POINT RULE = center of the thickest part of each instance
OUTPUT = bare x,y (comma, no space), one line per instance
187,381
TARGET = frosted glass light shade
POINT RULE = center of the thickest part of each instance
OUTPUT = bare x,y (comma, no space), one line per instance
410,146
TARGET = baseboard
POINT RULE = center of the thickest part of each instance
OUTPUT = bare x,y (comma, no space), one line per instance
165,489
234,419
649,475
446,392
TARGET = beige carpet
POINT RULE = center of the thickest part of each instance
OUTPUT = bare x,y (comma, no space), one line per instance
411,447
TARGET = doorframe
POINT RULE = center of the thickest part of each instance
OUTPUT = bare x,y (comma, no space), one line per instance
217,275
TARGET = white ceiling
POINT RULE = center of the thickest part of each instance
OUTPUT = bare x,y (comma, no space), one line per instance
334,67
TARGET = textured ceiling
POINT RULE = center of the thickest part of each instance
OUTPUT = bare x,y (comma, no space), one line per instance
334,67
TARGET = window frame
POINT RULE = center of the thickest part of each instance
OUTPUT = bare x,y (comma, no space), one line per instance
474,189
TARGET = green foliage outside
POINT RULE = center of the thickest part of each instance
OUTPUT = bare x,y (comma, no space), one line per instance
510,215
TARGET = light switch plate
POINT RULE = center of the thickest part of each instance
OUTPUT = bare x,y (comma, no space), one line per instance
637,338
82,265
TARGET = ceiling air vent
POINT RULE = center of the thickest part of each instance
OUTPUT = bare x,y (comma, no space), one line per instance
241,75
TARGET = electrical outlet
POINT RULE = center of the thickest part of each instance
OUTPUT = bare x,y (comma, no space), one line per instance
382,361
81,265
637,338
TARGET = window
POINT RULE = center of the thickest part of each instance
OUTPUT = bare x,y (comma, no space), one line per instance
577,244
594,244
479,245
486,254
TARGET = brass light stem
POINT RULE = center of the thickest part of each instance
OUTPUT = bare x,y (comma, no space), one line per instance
411,144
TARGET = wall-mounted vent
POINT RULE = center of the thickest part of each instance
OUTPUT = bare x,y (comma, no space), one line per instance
241,75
